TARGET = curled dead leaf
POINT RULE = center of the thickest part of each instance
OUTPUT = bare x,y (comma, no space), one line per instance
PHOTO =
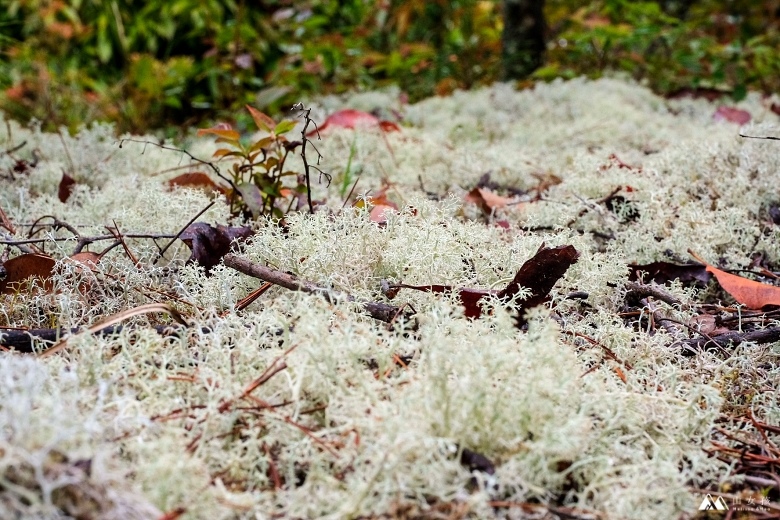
209,244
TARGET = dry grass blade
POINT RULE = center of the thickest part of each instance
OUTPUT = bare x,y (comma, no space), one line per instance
118,318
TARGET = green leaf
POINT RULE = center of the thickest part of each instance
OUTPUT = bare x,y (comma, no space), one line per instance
284,126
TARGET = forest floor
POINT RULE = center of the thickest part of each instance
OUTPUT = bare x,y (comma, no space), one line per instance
623,381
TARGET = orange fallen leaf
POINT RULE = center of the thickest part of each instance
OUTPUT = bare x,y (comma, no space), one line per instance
87,258
378,213
486,199
379,204
749,293
195,180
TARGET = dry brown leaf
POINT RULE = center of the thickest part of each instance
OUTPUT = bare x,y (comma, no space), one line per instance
26,266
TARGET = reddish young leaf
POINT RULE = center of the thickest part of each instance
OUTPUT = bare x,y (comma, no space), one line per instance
26,266
731,114
262,121
195,180
66,187
349,118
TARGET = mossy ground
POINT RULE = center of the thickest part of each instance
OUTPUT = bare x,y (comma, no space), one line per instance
136,425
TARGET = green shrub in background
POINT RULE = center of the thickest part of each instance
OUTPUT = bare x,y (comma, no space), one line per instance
731,46
155,63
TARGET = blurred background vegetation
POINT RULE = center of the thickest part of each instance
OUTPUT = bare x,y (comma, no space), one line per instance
177,63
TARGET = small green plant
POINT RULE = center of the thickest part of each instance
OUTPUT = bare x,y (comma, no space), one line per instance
257,175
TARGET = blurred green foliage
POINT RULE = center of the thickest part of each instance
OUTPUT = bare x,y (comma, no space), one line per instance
152,64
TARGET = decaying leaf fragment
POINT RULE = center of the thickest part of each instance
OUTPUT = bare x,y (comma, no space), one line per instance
209,244
663,272
67,184
732,115
538,274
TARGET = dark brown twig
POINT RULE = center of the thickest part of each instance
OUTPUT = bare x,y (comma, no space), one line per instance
23,340
767,335
378,311
182,230
210,164
305,112
17,243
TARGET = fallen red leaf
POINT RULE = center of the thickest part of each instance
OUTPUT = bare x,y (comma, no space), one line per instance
749,293
379,204
378,213
732,115
350,118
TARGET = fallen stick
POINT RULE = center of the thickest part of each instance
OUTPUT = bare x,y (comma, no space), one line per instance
378,311
23,340
767,335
